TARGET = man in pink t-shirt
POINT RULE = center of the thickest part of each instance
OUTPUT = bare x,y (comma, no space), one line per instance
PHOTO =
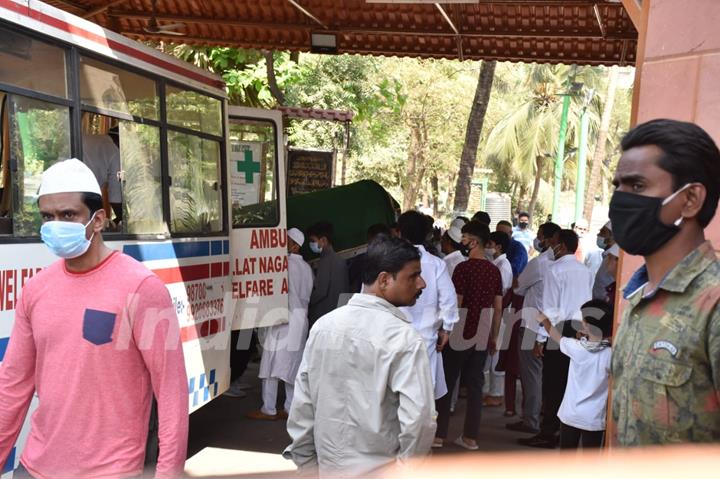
96,336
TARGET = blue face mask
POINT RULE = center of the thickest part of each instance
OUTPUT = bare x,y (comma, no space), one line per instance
314,247
66,239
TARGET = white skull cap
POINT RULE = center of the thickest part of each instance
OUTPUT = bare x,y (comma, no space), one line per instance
68,176
296,235
608,225
455,230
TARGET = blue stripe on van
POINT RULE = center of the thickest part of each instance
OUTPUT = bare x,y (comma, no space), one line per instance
10,463
154,251
3,347
217,247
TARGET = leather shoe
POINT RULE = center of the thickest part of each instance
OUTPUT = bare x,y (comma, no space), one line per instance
520,426
538,441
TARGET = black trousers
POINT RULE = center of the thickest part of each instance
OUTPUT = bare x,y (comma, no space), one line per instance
472,365
554,380
571,438
243,344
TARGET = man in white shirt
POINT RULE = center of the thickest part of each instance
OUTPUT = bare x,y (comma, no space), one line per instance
283,344
363,394
102,156
495,251
568,285
530,285
436,312
603,278
451,245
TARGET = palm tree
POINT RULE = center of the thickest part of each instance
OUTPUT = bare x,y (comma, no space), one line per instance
472,135
600,147
524,142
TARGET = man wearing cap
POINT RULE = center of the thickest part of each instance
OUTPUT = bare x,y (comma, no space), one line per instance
96,336
283,344
603,278
451,244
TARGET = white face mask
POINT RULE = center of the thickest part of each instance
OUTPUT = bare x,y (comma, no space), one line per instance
315,247
490,253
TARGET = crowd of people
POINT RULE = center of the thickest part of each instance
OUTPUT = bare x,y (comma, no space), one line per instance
395,335
380,376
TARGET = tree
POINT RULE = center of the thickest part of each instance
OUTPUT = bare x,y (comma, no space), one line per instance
524,142
601,144
472,135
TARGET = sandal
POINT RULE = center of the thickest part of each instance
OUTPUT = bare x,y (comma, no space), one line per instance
509,414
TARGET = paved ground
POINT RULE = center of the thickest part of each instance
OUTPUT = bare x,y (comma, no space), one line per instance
221,433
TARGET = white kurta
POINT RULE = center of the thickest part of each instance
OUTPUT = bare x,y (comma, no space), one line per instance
506,273
452,260
283,344
436,308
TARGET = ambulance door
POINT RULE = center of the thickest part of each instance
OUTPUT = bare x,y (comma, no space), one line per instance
258,240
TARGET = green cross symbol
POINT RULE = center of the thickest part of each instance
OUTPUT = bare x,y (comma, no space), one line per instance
248,166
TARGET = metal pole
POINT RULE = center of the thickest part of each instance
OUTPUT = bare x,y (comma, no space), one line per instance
483,197
582,161
560,157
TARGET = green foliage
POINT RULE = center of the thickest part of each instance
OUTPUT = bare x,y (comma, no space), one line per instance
411,115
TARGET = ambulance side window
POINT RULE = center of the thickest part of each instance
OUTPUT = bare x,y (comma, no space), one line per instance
39,137
34,133
251,168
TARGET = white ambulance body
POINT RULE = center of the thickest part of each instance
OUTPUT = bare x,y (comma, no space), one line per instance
201,184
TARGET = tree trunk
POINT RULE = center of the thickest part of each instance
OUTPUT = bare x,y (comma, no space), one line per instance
272,80
472,135
435,186
415,169
521,197
599,154
536,187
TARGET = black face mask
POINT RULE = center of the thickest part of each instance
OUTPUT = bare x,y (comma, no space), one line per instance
636,223
465,249
523,225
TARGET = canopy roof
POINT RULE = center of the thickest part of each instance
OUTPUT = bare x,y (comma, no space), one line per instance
550,31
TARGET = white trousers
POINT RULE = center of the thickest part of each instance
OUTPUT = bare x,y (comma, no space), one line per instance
496,380
269,396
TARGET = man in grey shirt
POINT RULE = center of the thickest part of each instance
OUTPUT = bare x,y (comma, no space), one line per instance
331,280
363,394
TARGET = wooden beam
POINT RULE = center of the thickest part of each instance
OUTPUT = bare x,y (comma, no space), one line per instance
634,11
307,13
92,12
71,5
525,33
507,55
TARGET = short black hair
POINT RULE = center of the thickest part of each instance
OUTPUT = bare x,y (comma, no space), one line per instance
378,229
482,217
93,201
504,223
477,229
689,154
387,254
599,313
549,229
500,238
525,214
414,226
321,229
569,239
